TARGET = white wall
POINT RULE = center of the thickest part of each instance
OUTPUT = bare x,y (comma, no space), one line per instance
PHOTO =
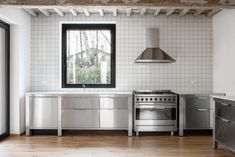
188,39
224,52
20,29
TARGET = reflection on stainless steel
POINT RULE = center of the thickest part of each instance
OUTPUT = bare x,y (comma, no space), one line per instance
152,53
81,111
224,127
155,111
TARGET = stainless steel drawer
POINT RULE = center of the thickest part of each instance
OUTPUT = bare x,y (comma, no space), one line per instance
201,102
197,102
114,118
80,118
43,113
116,103
225,132
79,102
225,110
197,118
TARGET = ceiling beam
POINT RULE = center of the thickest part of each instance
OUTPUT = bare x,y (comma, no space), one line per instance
128,12
156,3
143,11
170,12
44,11
114,12
101,12
73,12
184,12
156,12
30,11
198,12
86,12
59,12
213,12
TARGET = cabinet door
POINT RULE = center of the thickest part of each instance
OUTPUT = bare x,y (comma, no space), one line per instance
72,118
113,118
80,103
224,132
197,118
44,113
116,103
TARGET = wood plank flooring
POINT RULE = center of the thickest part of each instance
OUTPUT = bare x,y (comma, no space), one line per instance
111,144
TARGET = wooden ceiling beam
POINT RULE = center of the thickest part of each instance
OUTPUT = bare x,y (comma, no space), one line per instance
128,12
198,12
86,12
143,11
101,12
213,12
156,12
170,12
184,12
73,12
59,12
30,11
114,12
44,12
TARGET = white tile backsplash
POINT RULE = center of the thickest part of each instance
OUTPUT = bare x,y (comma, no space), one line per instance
188,39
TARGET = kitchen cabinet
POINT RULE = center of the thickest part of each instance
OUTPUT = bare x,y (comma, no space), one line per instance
196,112
224,128
41,113
79,111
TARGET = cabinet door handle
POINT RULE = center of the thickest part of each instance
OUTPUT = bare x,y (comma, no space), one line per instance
225,120
224,104
202,109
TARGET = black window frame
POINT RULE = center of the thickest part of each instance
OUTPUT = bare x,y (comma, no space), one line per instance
112,28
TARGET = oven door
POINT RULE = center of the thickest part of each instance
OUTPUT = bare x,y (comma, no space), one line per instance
158,115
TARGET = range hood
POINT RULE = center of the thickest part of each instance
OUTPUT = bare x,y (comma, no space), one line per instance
153,54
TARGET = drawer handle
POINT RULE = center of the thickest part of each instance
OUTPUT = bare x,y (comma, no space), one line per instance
202,98
225,120
202,109
224,104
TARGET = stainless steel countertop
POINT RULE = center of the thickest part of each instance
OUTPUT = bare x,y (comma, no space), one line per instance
231,98
72,93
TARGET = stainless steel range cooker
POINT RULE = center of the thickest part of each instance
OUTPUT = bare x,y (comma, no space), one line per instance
155,111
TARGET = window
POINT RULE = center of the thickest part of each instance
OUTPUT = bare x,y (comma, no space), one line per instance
88,55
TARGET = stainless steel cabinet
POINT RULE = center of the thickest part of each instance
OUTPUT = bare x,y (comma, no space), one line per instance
42,113
114,118
197,112
79,111
114,112
73,118
224,129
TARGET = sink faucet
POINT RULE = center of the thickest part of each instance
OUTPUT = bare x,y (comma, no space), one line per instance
84,87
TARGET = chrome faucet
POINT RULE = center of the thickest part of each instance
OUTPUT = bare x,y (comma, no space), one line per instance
84,87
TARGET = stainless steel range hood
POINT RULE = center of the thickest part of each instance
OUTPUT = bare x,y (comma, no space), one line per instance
153,54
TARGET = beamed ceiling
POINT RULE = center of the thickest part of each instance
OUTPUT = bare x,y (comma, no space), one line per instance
205,3
116,7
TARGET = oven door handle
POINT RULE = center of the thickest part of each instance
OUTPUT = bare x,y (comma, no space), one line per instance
154,107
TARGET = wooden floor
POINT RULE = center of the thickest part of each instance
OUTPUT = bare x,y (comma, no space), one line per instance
111,144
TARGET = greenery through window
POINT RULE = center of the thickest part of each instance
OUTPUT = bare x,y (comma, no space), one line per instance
88,55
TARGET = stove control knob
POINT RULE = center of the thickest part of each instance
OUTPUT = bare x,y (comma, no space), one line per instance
151,99
156,99
137,99
142,99
146,99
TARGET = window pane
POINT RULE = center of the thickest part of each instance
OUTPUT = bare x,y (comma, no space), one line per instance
88,56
